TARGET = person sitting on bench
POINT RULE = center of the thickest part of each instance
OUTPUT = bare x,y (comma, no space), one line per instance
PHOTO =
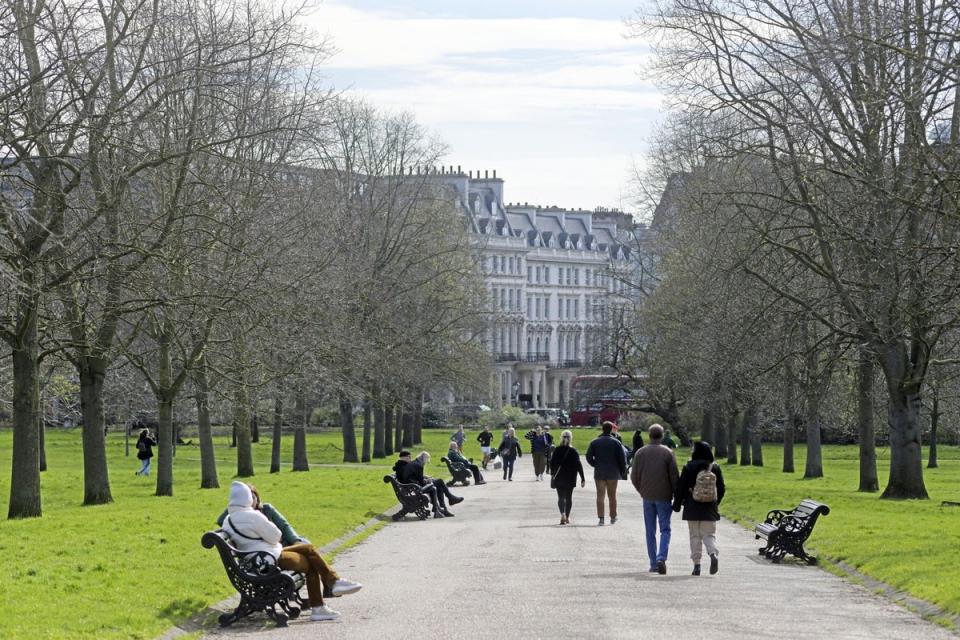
454,455
412,473
251,530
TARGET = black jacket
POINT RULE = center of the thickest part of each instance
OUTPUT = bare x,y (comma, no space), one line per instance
605,454
412,473
510,448
147,451
693,510
637,439
484,438
565,466
398,469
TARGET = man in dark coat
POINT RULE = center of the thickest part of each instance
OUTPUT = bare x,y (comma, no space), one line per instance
605,455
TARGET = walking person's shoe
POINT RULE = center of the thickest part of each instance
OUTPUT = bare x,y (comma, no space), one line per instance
563,520
661,567
323,612
344,588
714,563
696,570
613,519
600,523
652,570
455,499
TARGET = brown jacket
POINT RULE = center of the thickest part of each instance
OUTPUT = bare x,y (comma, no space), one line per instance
654,472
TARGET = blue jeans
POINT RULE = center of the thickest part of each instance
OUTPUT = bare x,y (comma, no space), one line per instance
145,468
508,466
654,511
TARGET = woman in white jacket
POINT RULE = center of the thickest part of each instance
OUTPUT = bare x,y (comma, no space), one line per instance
250,530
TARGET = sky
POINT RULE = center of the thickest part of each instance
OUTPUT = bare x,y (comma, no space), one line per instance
549,93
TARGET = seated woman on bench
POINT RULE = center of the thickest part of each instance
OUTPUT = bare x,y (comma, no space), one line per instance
250,529
454,455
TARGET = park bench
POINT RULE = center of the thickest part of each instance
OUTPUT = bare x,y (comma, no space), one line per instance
412,499
262,585
786,531
459,471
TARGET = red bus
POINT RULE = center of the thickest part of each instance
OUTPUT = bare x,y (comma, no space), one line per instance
599,397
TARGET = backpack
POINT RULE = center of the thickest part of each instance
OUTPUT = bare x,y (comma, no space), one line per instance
705,489
141,445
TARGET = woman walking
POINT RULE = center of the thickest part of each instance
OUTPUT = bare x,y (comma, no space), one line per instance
699,493
565,466
509,452
145,445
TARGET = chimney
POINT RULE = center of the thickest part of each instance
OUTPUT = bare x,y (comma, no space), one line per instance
486,174
494,174
459,170
470,173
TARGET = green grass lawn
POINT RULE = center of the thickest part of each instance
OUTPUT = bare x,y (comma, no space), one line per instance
911,544
133,568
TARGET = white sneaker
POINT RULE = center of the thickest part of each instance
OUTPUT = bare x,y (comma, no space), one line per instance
345,587
323,613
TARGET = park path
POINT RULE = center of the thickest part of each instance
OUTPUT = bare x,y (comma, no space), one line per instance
504,568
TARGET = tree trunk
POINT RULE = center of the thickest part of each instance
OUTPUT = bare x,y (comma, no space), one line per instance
720,435
418,418
42,441
398,428
706,426
388,448
347,429
407,427
241,417
868,443
367,430
277,433
254,426
208,460
25,463
790,417
814,464
745,424
300,462
164,416
96,481
934,421
732,437
379,432
756,444
906,454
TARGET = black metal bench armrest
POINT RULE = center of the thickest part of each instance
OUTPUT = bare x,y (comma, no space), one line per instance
773,517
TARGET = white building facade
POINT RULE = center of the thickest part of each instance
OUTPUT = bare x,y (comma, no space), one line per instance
554,276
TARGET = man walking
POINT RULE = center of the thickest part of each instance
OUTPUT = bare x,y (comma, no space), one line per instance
655,477
605,455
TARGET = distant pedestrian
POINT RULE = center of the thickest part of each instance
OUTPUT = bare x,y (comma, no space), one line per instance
605,455
539,447
655,477
459,437
668,439
509,450
699,492
485,438
565,466
637,440
145,444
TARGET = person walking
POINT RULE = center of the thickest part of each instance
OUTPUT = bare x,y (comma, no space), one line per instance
655,477
459,437
145,444
509,450
605,455
565,466
699,493
485,438
538,450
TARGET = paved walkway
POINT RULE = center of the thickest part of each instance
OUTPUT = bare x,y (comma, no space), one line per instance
504,568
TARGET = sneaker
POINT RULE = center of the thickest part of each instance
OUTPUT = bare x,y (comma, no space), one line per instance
323,612
600,523
438,514
344,587
510,479
714,564
661,567
563,520
613,519
696,570
652,570
455,500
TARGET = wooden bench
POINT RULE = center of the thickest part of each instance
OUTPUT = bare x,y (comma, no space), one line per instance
786,531
459,471
262,585
412,499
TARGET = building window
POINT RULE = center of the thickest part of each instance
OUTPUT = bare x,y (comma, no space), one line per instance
539,273
529,274
512,266
503,298
510,300
537,314
576,309
576,277
530,307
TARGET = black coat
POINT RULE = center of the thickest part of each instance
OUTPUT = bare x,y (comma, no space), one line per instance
693,510
565,466
509,448
605,454
148,444
412,473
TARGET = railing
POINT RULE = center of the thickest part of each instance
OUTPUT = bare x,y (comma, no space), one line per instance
505,357
566,364
536,357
